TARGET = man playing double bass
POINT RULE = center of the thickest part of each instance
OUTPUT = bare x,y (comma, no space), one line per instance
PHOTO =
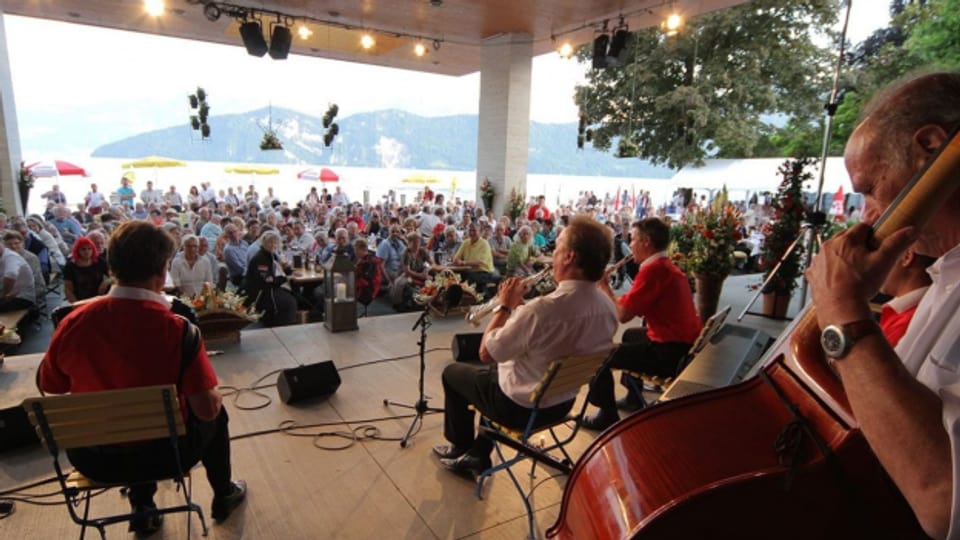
906,399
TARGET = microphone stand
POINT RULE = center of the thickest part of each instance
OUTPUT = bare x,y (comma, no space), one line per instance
421,407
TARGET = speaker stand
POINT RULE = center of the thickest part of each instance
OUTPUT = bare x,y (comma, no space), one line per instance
420,406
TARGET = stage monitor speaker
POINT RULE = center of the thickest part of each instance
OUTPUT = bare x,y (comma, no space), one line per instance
15,429
723,361
466,347
305,382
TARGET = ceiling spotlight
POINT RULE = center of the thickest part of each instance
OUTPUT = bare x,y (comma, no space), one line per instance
367,41
436,44
211,12
419,49
154,8
566,50
304,32
673,23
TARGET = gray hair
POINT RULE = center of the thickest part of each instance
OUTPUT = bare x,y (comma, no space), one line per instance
188,237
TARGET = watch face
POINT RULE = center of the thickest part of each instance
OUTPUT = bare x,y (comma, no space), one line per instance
831,339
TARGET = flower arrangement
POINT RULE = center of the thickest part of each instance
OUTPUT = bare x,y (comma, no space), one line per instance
26,178
704,239
486,192
209,300
784,227
443,279
516,204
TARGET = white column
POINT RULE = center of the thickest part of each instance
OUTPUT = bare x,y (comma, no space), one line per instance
9,134
504,124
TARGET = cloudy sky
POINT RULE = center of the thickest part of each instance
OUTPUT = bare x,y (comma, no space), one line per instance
112,84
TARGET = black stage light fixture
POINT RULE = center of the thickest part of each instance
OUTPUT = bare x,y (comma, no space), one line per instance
252,36
617,53
600,51
280,42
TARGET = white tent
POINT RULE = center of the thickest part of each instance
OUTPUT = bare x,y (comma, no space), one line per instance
744,177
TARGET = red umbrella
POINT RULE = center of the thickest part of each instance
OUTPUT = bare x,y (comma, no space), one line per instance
46,169
326,175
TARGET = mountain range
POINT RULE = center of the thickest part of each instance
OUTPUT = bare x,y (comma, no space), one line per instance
380,139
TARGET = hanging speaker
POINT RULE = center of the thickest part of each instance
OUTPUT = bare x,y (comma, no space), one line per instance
280,42
600,51
305,382
252,36
618,52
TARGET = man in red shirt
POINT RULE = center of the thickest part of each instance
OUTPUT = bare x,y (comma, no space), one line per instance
906,283
130,338
541,206
661,294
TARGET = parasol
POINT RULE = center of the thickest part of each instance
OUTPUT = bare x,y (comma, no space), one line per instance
49,169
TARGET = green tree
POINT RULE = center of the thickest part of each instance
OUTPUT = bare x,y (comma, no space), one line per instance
702,92
934,38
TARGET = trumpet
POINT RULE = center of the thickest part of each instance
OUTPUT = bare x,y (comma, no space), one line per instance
479,312
621,262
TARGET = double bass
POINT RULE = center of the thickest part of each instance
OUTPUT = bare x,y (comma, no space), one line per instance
777,456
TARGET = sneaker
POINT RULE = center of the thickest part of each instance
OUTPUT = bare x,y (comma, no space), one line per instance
223,506
467,466
448,451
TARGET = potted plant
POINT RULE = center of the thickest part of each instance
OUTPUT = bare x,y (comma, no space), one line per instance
780,232
516,204
708,236
486,193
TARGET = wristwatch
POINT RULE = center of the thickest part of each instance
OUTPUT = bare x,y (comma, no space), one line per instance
502,307
838,340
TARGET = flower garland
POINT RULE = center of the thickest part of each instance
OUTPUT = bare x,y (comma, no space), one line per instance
444,279
210,300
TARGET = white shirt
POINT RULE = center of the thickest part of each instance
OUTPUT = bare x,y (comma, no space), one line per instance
13,266
94,199
189,279
151,196
575,319
930,350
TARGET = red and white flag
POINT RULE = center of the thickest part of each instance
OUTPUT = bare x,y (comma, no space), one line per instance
838,210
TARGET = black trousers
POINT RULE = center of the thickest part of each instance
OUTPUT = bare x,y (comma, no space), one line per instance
466,384
206,442
637,353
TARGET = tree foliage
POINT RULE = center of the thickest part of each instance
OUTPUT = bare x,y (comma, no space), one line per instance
703,92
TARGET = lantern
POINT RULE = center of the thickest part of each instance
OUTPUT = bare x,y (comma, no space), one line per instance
340,300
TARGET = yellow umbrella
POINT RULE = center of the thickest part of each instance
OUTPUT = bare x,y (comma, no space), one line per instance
421,179
252,169
154,161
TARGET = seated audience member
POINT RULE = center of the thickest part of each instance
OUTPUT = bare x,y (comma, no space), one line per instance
342,243
19,290
661,294
85,274
415,269
390,251
190,271
82,357
14,242
234,254
907,282
575,319
500,245
33,244
263,284
57,256
369,269
475,253
522,254
450,246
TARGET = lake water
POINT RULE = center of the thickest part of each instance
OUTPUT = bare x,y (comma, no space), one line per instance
354,181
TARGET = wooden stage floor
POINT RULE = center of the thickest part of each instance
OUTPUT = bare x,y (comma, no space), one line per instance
297,490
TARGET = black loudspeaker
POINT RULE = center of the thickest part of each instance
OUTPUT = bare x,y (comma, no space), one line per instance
280,42
304,382
252,35
15,429
466,347
600,44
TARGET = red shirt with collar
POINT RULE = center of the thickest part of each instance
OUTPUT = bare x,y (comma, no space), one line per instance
532,212
661,294
893,324
114,342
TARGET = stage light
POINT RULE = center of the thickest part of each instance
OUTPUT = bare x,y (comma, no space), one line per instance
600,51
280,42
436,44
304,32
211,12
252,36
154,8
566,50
673,23
419,49
617,53
367,41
